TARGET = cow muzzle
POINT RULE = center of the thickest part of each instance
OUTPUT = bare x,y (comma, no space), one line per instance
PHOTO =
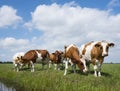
85,70
104,55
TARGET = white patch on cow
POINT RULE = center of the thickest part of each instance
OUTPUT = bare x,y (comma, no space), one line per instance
39,57
72,45
95,69
104,45
81,49
87,55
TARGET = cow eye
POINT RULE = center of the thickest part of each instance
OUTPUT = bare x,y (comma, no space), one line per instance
107,47
101,48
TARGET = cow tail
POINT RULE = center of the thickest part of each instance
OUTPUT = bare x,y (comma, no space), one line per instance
48,55
65,48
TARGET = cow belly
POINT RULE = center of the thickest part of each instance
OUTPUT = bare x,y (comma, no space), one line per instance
39,60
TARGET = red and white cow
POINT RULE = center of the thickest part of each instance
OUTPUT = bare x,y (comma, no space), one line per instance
16,60
34,56
95,52
72,53
56,59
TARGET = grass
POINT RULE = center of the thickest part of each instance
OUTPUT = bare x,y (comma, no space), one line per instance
53,80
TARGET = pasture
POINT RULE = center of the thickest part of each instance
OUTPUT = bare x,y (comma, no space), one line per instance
53,80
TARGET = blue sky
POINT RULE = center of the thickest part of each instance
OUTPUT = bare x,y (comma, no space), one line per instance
51,24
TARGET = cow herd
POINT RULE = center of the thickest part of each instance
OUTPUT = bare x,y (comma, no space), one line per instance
92,52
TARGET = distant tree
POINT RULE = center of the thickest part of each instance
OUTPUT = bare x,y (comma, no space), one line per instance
111,62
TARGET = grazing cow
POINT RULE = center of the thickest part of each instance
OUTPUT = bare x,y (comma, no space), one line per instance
17,62
56,59
34,56
95,52
72,53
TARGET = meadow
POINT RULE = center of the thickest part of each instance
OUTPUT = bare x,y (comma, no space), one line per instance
53,80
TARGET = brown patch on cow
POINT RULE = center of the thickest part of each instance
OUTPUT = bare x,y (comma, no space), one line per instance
84,50
96,51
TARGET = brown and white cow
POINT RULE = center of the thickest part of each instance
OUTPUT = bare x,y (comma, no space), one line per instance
72,53
56,59
17,62
95,52
34,56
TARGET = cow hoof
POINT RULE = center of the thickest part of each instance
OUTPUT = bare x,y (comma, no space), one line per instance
95,75
99,75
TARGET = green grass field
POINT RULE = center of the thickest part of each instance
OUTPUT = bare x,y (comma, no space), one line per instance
53,80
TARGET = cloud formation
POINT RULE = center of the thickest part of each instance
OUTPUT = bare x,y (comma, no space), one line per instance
8,16
74,23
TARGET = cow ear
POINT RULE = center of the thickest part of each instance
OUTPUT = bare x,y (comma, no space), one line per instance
111,44
97,45
18,58
65,47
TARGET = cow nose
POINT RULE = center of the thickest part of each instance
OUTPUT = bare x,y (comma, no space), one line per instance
105,55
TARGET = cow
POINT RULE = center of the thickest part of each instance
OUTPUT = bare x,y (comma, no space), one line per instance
17,62
56,59
94,52
71,53
33,56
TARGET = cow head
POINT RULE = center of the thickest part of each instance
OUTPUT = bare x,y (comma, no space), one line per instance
104,47
81,66
19,61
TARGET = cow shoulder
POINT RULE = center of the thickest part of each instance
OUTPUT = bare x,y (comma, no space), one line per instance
96,51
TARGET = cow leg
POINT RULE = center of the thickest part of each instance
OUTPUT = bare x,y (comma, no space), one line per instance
88,67
16,68
58,66
95,70
55,66
66,67
95,63
50,64
84,63
74,68
99,69
42,66
32,66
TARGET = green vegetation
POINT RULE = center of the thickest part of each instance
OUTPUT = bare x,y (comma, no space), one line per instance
53,80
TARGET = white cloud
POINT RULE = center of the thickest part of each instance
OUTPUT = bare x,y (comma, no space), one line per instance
66,24
67,21
8,16
12,43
